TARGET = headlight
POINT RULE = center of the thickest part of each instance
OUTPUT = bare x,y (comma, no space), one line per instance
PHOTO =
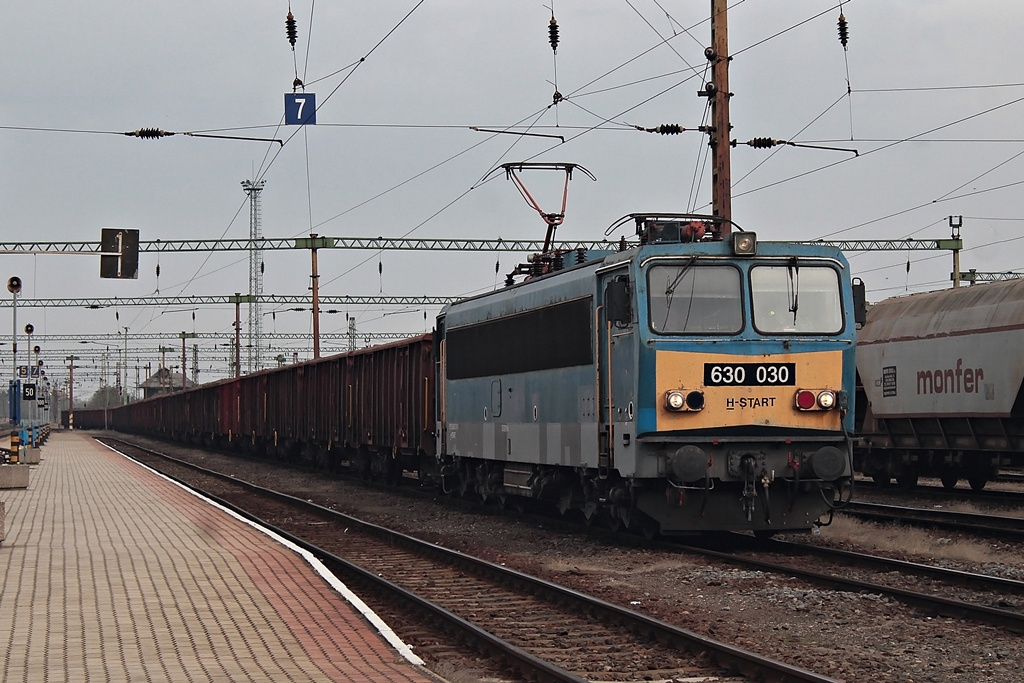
826,400
681,400
675,400
744,243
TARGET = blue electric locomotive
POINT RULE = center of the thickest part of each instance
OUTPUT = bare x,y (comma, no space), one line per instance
687,384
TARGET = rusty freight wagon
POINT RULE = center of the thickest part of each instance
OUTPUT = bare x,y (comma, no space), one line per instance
372,409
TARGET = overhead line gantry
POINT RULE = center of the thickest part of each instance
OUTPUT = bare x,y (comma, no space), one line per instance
267,299
427,244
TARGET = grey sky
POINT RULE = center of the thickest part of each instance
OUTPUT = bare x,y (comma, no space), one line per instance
224,66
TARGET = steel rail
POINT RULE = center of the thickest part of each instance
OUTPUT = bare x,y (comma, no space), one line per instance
730,657
987,525
944,606
969,579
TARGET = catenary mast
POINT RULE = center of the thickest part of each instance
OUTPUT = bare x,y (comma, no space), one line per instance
255,273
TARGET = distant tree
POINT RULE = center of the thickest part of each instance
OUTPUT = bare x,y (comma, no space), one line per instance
105,397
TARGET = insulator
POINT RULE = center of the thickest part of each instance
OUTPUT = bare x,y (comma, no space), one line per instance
148,133
581,255
380,267
844,30
158,270
497,265
289,26
263,267
553,34
762,143
622,244
670,129
296,84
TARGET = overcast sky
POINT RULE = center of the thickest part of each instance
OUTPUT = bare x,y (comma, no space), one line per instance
935,110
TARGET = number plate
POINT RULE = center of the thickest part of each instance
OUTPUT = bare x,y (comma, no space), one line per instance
749,374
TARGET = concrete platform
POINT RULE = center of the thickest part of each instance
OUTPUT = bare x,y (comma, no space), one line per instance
111,572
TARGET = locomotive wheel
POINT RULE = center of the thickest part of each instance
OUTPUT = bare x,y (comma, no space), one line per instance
612,518
647,527
590,513
764,533
949,480
977,483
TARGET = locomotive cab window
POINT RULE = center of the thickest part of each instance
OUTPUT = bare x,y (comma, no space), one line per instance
691,299
796,299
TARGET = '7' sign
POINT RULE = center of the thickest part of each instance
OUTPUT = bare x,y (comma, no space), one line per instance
299,108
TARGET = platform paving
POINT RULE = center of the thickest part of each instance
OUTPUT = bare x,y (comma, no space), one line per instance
110,572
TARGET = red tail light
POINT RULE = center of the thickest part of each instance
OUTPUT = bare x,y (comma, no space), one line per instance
806,400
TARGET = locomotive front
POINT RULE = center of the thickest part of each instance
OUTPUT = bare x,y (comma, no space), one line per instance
683,385
743,355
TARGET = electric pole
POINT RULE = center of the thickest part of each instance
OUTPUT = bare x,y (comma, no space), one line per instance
718,93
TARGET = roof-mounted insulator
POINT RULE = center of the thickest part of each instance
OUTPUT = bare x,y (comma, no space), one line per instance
289,26
553,34
148,133
844,30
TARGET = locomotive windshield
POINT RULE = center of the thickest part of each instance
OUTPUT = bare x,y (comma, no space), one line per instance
689,299
796,299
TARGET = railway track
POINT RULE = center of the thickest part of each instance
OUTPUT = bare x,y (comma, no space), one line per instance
537,629
990,526
988,496
986,599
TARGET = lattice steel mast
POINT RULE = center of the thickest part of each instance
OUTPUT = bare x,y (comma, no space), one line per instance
255,273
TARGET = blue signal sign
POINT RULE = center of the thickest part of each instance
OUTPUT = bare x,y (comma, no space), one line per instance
299,109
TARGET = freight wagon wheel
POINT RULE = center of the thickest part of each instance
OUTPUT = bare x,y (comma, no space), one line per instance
949,480
907,481
514,504
881,480
977,483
